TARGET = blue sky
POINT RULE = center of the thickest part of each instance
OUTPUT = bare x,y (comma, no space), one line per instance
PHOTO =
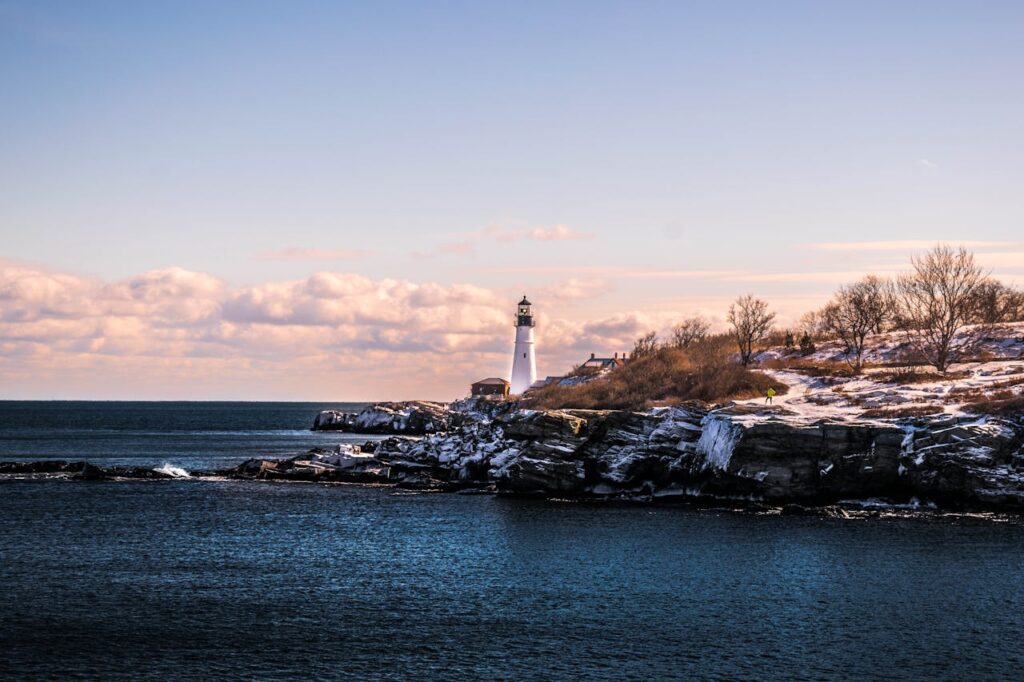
656,158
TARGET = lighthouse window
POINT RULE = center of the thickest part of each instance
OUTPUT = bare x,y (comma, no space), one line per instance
524,355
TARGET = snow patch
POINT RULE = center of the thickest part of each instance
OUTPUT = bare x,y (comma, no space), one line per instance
717,441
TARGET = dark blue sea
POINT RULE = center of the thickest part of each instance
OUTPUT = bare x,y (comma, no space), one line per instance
206,579
192,435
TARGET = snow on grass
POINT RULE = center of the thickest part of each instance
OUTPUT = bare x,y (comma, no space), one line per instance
996,370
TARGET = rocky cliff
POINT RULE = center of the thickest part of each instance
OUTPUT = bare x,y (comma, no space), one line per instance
736,452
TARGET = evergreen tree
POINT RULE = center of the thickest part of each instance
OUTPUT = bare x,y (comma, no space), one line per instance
806,344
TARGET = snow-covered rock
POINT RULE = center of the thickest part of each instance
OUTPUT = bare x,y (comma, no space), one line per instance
414,418
741,451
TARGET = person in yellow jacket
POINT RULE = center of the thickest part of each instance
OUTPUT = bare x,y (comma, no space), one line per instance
771,394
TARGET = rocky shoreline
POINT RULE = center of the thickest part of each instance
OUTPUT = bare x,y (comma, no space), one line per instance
744,456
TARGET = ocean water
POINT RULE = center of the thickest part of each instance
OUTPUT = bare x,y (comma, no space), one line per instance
201,580
192,435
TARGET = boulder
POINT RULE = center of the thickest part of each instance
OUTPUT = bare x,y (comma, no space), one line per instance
45,466
533,424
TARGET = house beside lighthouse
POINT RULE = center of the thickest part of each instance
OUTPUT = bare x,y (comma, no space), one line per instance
524,364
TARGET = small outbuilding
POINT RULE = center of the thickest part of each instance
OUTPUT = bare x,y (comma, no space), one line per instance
491,387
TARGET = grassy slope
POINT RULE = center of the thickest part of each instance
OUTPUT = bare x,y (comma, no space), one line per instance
667,376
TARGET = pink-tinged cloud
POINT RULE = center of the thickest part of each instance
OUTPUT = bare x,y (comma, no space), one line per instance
1012,261
504,235
613,272
292,254
59,331
575,288
542,233
176,333
906,245
458,248
556,233
836,277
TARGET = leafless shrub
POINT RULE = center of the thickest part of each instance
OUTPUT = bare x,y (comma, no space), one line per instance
995,303
689,331
934,301
811,324
880,300
1013,305
751,322
645,345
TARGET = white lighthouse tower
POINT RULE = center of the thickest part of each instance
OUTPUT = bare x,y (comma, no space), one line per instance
524,364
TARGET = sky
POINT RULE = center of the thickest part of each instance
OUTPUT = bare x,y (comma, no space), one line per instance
345,201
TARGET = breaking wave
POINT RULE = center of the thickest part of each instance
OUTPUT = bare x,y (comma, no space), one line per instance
171,470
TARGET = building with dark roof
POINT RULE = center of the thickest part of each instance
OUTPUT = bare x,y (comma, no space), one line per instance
596,364
494,387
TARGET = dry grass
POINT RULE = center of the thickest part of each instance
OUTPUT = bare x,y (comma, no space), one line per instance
666,376
1003,404
901,412
916,375
816,368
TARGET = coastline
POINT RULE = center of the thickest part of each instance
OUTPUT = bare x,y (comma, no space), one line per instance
741,457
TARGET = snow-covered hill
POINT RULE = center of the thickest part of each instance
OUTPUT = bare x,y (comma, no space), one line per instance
820,386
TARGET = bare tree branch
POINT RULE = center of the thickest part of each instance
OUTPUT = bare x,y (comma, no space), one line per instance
689,331
750,322
856,311
935,301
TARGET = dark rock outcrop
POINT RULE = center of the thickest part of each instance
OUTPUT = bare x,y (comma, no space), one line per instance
79,471
412,418
693,453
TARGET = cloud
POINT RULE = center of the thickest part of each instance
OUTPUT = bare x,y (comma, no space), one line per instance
293,254
618,272
504,235
554,233
905,245
461,248
179,333
1008,260
836,276
575,288
348,333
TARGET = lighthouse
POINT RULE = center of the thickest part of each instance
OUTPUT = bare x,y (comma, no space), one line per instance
524,364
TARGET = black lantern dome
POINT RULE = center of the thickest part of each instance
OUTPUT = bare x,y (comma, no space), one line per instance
524,313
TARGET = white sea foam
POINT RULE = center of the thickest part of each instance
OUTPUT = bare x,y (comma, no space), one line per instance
171,470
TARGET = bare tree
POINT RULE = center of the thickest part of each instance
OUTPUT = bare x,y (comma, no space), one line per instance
689,331
935,301
1013,305
810,324
857,311
994,303
645,345
879,299
751,322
